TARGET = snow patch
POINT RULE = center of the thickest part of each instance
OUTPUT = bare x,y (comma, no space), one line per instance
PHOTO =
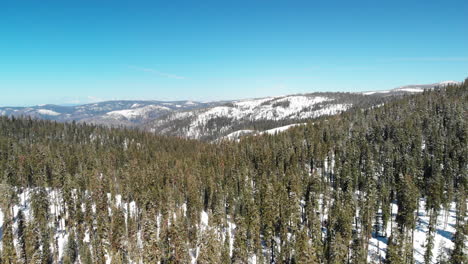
411,90
281,129
136,112
47,112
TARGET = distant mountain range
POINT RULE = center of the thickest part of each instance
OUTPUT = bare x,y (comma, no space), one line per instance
126,113
215,120
413,88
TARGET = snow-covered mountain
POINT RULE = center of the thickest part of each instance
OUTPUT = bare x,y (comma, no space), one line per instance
413,88
127,113
215,120
236,118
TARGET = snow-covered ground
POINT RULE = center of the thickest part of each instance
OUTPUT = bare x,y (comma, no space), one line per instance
445,229
415,88
277,130
224,117
47,112
61,231
139,112
57,211
236,135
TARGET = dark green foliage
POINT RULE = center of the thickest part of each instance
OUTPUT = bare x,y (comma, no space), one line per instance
8,255
304,249
311,194
210,248
458,255
71,250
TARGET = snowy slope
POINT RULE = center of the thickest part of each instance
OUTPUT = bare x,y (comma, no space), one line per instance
236,135
377,246
140,112
126,113
47,112
281,129
234,118
414,88
214,120
60,229
445,230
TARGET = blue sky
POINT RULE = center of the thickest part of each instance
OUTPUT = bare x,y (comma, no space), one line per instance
66,52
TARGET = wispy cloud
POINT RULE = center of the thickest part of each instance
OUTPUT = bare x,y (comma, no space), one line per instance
162,74
428,59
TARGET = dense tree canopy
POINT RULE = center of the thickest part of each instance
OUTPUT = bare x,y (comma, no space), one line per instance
314,194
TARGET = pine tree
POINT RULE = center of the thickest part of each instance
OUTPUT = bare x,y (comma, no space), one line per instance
430,237
8,251
151,250
240,252
304,250
458,255
225,253
394,251
71,250
85,254
178,246
21,233
210,248
117,234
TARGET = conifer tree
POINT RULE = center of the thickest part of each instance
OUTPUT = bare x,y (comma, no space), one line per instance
458,255
304,250
71,250
225,253
394,251
8,250
240,252
21,233
151,250
210,248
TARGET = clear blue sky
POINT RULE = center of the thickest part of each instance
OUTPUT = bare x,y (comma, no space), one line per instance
82,51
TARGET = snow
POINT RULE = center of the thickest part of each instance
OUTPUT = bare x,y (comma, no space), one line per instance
237,134
332,109
47,112
442,237
252,103
418,88
445,83
60,231
204,220
252,259
376,92
231,231
270,108
281,129
136,112
444,231
412,90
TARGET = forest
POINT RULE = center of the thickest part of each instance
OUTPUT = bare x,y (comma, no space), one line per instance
318,193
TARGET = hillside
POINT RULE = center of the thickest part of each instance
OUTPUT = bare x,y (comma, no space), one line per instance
215,120
129,113
379,184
